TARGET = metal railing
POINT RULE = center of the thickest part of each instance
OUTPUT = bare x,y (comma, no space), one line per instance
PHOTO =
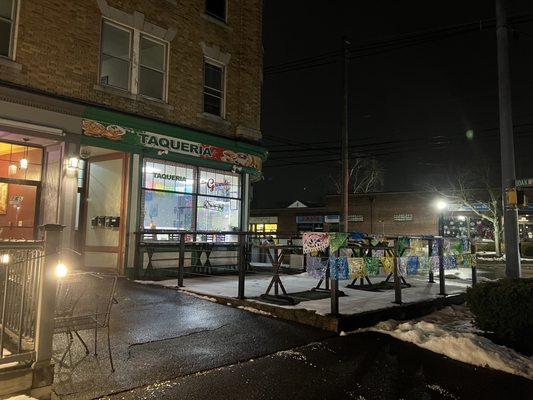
21,265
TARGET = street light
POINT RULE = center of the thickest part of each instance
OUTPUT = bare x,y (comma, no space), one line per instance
441,205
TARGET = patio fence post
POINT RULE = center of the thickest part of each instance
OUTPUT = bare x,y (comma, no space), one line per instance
442,282
397,282
181,262
242,265
334,292
473,265
430,247
46,297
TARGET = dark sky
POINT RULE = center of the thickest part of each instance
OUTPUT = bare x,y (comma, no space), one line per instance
410,106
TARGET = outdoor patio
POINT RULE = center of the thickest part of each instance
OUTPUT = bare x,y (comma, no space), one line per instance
223,289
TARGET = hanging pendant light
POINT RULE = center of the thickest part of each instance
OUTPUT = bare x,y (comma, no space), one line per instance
23,163
12,169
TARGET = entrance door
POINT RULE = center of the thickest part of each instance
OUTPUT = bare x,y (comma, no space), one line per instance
105,205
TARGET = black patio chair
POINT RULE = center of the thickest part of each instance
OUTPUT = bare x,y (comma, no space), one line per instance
83,303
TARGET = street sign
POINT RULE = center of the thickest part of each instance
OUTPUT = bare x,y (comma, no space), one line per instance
524,182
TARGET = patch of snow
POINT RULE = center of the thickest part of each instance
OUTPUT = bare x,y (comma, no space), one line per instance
451,332
212,299
342,333
254,310
168,283
21,397
291,354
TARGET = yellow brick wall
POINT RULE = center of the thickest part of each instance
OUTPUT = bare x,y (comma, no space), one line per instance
58,45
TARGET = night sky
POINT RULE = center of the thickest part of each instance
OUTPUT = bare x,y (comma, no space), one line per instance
411,101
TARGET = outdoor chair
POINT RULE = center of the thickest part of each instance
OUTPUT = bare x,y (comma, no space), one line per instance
83,303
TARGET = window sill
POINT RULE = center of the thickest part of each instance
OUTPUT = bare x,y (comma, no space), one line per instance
7,62
128,95
217,21
115,92
213,118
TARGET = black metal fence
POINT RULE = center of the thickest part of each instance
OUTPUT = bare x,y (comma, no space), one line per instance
21,264
180,255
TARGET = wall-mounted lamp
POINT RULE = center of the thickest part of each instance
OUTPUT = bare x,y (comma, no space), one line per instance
61,270
73,162
5,259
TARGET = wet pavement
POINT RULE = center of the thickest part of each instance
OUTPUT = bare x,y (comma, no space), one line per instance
358,366
159,334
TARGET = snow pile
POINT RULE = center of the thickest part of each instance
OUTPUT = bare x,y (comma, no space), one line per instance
450,332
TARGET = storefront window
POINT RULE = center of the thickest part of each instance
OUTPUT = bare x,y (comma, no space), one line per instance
20,173
167,200
173,198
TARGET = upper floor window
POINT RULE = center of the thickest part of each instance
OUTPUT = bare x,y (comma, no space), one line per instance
7,26
140,70
216,9
213,88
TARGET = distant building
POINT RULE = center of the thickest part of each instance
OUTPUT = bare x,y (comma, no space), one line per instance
388,213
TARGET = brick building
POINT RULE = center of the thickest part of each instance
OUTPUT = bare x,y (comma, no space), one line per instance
394,213
118,115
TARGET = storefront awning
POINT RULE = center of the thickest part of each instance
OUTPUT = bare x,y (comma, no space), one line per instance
133,134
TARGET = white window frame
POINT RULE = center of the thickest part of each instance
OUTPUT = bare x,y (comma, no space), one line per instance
208,60
14,30
130,58
225,20
135,54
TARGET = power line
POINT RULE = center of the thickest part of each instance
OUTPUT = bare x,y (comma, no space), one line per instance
396,42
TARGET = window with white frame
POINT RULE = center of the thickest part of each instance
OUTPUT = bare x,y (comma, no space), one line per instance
216,9
213,88
8,10
133,61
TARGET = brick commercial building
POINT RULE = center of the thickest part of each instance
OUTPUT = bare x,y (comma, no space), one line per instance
390,213
119,115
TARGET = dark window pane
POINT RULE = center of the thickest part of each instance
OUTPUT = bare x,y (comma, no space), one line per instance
213,76
5,37
212,104
115,72
216,8
6,8
151,83
115,41
152,54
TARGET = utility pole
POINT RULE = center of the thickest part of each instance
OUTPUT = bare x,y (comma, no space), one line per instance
344,138
510,213
343,220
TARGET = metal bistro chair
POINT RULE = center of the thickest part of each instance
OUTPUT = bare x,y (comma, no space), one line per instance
83,303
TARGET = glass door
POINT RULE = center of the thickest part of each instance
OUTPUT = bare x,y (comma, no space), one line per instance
105,203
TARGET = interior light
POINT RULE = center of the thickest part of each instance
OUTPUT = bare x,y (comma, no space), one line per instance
12,170
61,270
23,163
73,162
461,218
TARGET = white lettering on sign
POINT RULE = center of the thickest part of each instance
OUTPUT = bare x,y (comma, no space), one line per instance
403,217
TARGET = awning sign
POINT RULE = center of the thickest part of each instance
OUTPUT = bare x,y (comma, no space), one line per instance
168,144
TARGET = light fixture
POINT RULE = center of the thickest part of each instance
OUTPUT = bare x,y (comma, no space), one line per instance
461,218
441,205
61,270
5,258
23,163
12,169
73,162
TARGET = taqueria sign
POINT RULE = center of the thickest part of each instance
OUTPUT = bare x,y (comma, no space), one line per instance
168,144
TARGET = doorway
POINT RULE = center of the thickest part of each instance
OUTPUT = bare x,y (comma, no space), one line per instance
103,198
